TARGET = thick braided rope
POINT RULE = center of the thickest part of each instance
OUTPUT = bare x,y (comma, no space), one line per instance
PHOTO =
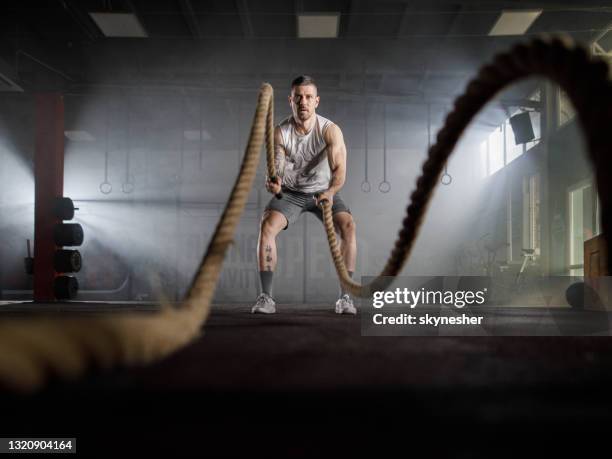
270,140
586,82
34,349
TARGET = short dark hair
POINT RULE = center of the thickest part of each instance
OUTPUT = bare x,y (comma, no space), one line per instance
303,80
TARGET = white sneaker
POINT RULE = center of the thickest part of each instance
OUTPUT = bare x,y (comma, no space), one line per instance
345,305
264,305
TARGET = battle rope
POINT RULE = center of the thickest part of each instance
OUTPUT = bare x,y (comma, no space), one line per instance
33,349
585,79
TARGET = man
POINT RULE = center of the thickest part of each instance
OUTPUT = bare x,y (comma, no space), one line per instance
310,158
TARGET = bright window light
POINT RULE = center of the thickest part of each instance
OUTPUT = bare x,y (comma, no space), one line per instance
125,25
566,110
496,150
605,41
514,22
484,161
319,25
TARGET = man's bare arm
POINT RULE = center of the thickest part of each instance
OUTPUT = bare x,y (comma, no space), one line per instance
279,163
336,155
279,153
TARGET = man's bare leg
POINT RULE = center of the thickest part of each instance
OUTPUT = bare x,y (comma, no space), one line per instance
345,226
272,223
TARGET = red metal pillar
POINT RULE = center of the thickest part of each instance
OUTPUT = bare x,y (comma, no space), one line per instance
48,185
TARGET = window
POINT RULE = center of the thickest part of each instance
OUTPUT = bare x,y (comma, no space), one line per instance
531,213
584,223
500,148
509,225
597,215
566,109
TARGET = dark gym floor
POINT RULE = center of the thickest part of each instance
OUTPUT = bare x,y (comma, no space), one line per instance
305,383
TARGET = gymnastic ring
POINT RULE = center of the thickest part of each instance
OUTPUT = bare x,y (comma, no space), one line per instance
446,179
127,187
365,186
106,187
384,187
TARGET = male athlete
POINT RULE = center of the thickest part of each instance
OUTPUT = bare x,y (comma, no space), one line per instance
310,159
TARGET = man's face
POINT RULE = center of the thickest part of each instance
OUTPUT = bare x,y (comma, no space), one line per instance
303,101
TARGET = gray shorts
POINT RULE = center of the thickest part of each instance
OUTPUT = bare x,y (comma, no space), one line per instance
294,203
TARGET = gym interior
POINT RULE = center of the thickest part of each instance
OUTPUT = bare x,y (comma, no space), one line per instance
128,128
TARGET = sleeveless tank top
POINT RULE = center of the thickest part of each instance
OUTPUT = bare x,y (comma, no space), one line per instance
306,168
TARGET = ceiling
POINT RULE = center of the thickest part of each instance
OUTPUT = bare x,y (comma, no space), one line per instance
397,51
392,47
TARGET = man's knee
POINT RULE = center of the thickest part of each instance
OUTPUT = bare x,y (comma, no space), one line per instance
271,224
346,228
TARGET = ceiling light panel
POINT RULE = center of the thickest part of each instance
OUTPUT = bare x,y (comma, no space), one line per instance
514,22
318,25
124,25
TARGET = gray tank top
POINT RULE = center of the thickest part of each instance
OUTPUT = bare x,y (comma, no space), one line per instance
306,168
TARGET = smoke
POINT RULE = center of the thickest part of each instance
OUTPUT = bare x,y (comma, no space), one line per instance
180,156
16,211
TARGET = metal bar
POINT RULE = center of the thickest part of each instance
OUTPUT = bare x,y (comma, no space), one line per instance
503,126
408,8
190,18
45,65
245,18
82,19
